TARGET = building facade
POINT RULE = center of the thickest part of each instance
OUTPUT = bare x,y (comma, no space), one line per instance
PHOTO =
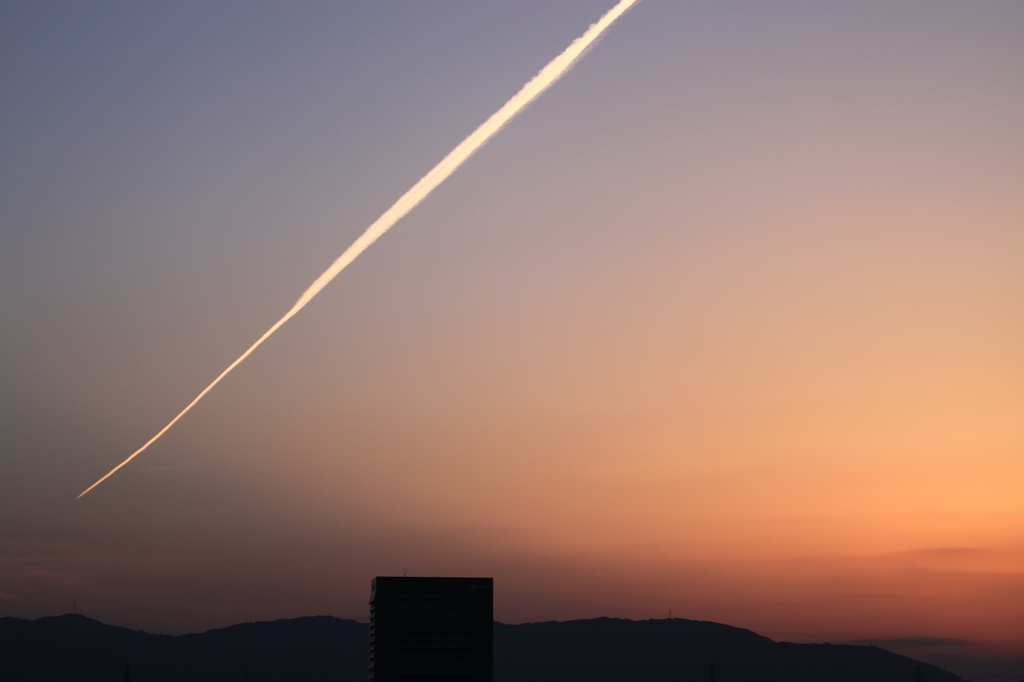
431,629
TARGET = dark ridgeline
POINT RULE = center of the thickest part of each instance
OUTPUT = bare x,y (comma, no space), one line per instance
73,648
678,650
431,629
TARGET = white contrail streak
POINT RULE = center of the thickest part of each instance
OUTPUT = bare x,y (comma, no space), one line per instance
541,82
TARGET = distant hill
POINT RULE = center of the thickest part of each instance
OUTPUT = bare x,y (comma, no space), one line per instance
680,650
73,648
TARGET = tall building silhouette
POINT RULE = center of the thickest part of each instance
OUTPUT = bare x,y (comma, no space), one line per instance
431,629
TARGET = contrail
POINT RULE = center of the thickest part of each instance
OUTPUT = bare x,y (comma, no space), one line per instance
541,82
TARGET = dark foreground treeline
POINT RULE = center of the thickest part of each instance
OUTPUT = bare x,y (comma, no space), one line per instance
73,648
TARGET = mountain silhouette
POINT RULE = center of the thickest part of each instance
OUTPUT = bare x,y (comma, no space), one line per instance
73,648
681,650
70,648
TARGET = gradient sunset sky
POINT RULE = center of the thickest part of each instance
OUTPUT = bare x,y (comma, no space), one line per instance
730,322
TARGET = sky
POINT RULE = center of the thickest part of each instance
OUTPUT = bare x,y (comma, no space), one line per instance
726,325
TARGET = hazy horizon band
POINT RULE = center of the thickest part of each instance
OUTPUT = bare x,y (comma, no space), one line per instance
544,79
